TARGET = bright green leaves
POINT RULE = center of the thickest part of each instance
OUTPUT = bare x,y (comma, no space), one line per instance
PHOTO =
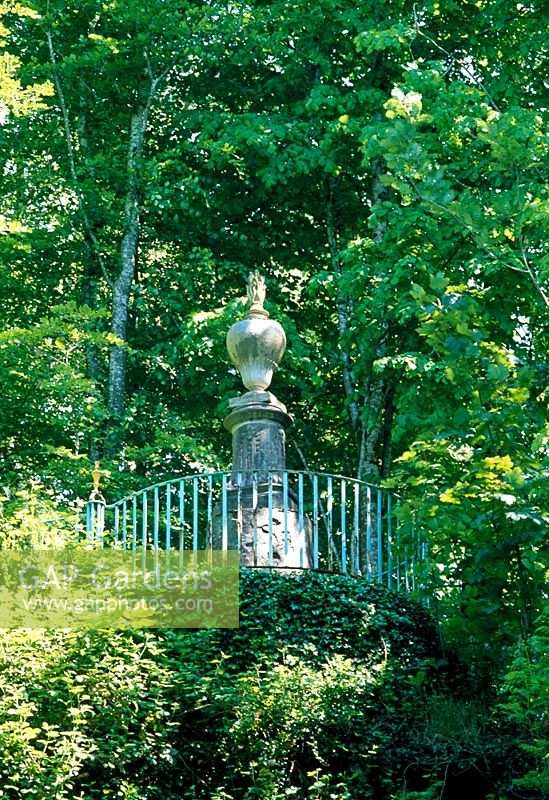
306,698
516,138
476,170
395,38
49,406
72,704
15,97
438,282
496,465
107,41
474,470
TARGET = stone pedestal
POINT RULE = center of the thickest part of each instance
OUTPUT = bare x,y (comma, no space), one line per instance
268,533
262,519
258,423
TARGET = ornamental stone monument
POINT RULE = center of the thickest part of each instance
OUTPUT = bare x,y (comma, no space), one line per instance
263,517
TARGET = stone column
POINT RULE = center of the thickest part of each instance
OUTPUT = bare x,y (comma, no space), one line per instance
263,520
258,423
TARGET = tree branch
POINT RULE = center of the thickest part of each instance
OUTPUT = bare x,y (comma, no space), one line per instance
72,163
466,68
527,268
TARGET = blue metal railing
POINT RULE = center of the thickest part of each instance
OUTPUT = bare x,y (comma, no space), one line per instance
284,518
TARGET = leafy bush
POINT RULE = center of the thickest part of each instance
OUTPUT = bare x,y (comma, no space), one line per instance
80,712
306,689
329,689
525,705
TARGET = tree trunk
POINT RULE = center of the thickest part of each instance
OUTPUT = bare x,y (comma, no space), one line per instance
388,418
122,286
372,418
342,309
368,465
92,265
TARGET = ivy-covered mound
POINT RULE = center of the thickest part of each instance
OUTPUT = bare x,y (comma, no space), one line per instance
324,691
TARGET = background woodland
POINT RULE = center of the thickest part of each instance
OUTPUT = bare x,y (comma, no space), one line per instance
384,166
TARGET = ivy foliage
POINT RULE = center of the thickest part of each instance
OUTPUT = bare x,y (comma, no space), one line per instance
329,687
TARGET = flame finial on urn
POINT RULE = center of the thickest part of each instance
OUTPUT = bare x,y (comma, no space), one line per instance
256,343
256,290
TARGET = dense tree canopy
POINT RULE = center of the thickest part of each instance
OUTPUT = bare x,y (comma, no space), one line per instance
383,165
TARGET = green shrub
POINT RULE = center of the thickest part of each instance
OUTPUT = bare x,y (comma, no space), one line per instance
328,690
526,705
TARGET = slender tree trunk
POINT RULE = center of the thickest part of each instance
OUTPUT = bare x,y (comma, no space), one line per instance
372,418
368,464
343,308
88,227
366,420
387,435
123,283
92,354
368,467
92,266
124,280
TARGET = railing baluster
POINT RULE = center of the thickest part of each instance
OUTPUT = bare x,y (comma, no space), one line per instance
125,525
116,524
285,509
379,538
182,515
134,523
195,513
315,521
144,521
343,526
239,480
224,526
254,516
168,517
300,519
209,529
91,527
182,503
89,523
270,515
156,520
100,522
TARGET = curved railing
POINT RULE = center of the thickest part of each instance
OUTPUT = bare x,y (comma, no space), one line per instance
278,518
